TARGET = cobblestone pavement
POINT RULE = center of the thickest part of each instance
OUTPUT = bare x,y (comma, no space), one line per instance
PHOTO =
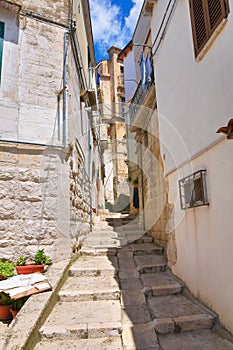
125,298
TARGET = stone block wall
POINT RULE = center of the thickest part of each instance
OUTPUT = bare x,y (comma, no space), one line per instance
157,213
44,204
79,201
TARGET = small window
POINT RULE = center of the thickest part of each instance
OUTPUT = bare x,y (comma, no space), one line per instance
1,45
193,191
206,15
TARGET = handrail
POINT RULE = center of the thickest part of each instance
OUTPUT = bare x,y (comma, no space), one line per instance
139,97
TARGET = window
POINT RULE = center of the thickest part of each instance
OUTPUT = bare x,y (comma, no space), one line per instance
1,45
206,15
193,191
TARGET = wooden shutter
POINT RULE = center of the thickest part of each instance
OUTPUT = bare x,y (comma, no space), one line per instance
216,12
206,15
1,45
199,24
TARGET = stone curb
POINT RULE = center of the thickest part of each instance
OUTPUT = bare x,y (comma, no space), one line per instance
23,331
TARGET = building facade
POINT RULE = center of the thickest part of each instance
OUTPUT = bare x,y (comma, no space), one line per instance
192,55
145,164
112,106
47,144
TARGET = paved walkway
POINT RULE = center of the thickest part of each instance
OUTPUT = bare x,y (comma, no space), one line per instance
126,299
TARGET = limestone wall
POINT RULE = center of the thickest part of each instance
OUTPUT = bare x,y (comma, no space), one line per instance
44,190
44,202
32,70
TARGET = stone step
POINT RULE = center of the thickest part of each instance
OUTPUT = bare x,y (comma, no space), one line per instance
150,263
145,239
94,266
206,340
85,251
119,222
159,284
83,320
145,248
176,313
104,247
90,288
140,337
108,343
132,234
132,227
102,233
101,242
102,227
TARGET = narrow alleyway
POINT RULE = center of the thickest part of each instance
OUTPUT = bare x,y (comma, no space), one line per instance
126,298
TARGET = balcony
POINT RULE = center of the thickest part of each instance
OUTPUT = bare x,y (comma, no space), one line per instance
143,101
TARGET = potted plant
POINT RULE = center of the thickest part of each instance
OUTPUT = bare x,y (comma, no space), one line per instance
5,304
7,269
17,305
40,260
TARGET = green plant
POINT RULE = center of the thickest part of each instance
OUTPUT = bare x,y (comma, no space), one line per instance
21,261
41,258
135,181
5,299
17,304
7,269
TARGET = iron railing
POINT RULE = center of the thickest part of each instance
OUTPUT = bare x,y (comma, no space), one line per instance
139,96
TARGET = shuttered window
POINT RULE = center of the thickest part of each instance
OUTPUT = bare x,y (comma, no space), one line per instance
1,45
206,15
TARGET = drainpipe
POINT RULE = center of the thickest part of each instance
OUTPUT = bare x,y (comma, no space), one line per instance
65,86
142,179
88,109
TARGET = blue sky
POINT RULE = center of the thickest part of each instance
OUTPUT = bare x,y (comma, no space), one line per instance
113,23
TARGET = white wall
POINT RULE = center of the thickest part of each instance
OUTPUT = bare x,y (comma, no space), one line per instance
129,76
130,81
194,100
204,235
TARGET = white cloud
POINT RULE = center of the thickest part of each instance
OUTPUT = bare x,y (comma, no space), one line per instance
131,20
109,26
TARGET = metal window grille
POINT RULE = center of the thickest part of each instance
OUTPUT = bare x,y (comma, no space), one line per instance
193,190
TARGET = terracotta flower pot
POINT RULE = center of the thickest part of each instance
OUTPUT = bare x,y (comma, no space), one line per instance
5,313
14,313
29,269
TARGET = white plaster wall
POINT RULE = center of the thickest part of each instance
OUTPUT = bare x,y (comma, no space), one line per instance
130,81
204,235
139,37
194,98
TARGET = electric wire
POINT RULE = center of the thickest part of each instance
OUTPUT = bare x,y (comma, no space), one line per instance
161,26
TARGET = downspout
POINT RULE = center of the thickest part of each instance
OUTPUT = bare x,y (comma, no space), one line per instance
64,121
89,163
142,179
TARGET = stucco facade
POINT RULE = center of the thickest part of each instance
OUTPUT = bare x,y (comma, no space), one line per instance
145,164
194,100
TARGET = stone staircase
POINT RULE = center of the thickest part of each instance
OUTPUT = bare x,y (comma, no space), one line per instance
121,296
